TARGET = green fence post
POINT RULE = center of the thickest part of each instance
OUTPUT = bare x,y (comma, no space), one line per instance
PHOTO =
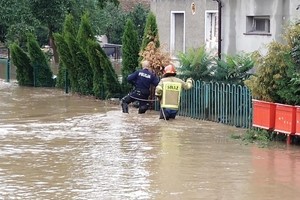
8,70
66,82
8,66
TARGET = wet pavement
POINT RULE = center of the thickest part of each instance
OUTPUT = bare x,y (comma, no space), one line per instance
61,146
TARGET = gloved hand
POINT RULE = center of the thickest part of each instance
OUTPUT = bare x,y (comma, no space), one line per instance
159,98
190,80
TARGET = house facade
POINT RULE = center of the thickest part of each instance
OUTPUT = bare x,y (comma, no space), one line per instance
184,24
246,25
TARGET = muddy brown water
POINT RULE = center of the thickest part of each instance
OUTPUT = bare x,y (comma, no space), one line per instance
60,146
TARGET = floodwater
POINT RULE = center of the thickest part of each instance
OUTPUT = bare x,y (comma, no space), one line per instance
61,146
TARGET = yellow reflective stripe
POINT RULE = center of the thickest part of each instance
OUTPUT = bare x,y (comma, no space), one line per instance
171,95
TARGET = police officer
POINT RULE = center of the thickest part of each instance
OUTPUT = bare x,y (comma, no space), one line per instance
169,90
142,80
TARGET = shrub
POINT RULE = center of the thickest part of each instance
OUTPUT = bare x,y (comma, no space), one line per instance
234,68
195,63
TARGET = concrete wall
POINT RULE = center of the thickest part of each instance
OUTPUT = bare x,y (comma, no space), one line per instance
194,23
234,14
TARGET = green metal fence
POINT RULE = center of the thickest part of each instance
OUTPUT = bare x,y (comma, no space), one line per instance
219,102
5,62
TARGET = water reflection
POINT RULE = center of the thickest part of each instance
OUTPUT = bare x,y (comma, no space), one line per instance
61,146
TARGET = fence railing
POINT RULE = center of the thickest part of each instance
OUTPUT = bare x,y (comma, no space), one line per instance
5,63
219,102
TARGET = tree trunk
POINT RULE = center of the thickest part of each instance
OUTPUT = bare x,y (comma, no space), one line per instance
53,46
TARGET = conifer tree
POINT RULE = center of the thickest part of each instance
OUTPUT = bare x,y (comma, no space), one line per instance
150,32
69,25
66,72
81,70
151,50
23,64
85,32
96,62
130,54
43,76
110,77
65,60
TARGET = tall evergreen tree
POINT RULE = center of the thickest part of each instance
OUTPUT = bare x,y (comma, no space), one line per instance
111,81
130,54
23,64
81,70
96,62
43,76
85,31
150,32
65,60
69,25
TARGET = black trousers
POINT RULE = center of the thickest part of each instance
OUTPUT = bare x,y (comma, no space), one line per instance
140,96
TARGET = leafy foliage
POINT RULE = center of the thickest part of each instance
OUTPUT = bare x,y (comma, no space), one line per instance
103,3
110,21
157,56
195,63
139,17
150,49
260,137
15,20
234,69
277,77
270,69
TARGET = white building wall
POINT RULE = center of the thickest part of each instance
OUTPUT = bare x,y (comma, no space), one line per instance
194,36
234,14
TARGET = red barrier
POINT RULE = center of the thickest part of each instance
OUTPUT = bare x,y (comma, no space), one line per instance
285,119
297,120
263,114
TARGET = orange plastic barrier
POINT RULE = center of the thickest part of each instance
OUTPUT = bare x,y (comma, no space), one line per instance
263,114
285,118
297,120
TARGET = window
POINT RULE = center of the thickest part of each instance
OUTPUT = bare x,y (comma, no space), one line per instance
177,35
211,30
258,25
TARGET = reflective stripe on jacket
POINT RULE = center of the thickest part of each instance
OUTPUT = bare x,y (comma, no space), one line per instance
171,97
169,88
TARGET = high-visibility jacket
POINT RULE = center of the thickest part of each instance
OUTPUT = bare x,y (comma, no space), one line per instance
169,89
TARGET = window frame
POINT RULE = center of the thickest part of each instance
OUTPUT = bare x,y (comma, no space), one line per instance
252,26
172,31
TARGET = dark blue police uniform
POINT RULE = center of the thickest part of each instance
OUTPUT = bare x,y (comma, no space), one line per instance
142,80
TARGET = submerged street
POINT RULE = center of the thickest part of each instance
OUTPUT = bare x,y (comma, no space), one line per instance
61,146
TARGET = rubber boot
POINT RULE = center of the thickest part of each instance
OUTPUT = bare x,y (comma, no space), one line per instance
124,107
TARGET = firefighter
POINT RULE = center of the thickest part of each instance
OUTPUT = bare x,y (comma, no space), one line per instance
168,91
142,80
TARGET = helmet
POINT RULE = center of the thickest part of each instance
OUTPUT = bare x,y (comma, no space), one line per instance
170,69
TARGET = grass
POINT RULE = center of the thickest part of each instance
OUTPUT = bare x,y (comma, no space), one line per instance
260,137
